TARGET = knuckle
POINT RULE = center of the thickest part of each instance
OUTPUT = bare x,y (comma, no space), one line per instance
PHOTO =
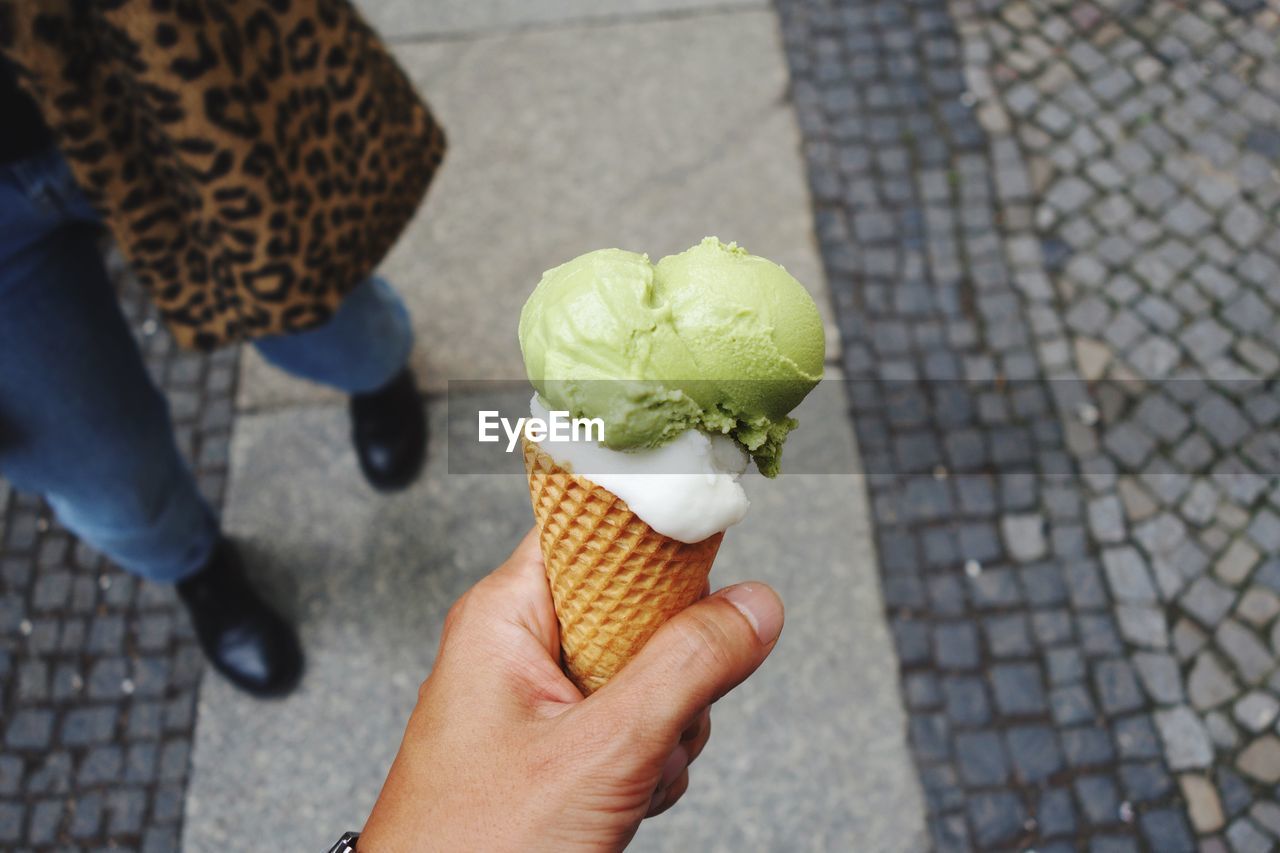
463,611
424,691
454,616
705,641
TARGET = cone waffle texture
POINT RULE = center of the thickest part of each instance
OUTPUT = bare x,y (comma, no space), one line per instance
614,579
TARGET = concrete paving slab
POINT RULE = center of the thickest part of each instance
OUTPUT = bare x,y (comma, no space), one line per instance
369,579
645,135
402,20
809,754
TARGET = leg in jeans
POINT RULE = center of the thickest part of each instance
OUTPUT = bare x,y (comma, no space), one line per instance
81,422
361,349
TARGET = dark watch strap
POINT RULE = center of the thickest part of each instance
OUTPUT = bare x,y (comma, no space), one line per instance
346,844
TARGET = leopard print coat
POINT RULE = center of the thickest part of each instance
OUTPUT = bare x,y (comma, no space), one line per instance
254,159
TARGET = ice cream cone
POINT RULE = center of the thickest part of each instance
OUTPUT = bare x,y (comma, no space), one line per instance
614,579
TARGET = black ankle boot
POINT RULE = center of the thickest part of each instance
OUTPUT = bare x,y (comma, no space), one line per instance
241,635
390,433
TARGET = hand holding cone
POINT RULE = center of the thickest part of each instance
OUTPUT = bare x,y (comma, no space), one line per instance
614,580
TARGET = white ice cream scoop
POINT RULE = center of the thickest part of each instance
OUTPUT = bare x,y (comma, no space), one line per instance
687,489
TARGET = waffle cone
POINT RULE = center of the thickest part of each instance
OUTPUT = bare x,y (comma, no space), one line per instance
614,579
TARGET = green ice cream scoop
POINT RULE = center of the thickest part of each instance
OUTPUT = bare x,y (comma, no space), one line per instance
713,338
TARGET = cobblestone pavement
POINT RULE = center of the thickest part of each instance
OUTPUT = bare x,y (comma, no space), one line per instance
99,670
1050,232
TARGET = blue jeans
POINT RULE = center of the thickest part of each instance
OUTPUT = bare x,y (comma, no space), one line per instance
81,422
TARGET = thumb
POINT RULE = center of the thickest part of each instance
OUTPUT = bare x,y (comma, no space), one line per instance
699,655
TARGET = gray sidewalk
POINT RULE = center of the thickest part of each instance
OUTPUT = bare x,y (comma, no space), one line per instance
646,132
1053,223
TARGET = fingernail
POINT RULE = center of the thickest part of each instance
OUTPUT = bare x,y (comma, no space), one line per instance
761,606
675,764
